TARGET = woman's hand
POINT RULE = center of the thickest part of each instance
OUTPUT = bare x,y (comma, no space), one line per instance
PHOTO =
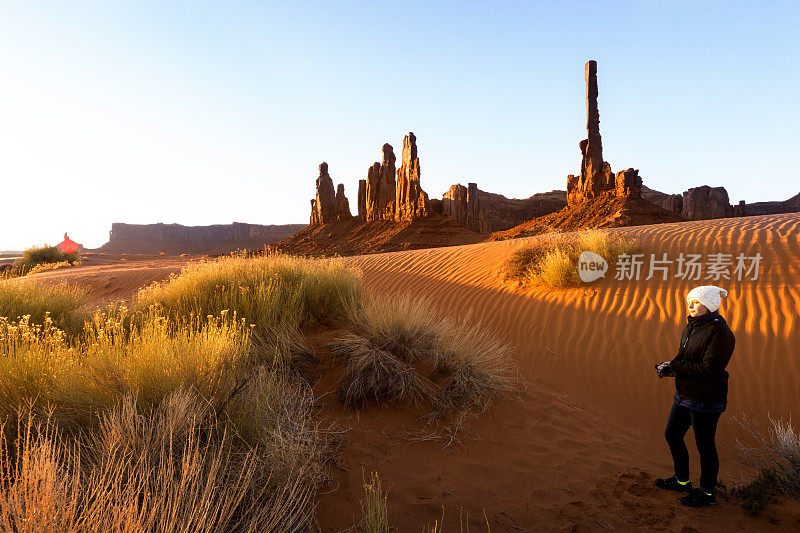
664,370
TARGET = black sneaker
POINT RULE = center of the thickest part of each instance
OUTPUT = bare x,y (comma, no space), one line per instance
698,498
672,483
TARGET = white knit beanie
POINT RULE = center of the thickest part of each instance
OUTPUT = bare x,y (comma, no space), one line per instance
708,295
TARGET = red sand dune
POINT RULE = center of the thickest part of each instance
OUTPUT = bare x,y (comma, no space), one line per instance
579,450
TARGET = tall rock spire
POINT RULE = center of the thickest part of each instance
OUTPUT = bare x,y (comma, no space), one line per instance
596,178
323,209
412,201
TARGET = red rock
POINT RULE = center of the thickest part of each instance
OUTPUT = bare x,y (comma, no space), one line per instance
704,203
596,178
324,208
373,192
342,204
411,201
454,203
488,212
388,190
473,207
362,200
628,183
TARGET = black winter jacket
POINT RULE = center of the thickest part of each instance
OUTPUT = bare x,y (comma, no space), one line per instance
703,354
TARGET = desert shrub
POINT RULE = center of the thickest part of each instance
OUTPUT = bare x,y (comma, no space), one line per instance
517,266
776,457
33,257
372,373
552,261
62,303
273,291
402,350
473,365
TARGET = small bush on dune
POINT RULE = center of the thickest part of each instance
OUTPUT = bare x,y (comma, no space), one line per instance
474,365
273,291
372,373
776,457
395,340
275,294
552,262
33,257
62,303
517,266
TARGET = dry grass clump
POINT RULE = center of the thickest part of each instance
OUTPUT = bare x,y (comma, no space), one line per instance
272,292
776,457
44,267
372,373
273,413
170,470
552,262
402,350
374,506
62,303
473,365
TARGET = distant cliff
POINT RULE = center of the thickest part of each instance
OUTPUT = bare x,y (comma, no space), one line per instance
175,238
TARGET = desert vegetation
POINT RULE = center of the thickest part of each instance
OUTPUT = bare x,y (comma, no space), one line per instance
402,350
191,411
40,259
552,261
62,304
775,455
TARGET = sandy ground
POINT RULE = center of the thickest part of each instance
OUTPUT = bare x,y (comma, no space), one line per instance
579,449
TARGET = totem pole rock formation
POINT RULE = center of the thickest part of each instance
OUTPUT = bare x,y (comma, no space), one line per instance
381,187
388,190
596,178
387,199
373,192
342,204
388,193
412,201
323,209
362,200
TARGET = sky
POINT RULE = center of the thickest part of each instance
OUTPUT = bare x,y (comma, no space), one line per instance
213,112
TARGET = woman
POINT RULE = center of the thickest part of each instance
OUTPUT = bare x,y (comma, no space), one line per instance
701,394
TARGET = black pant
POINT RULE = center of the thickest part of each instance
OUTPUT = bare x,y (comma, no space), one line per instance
705,427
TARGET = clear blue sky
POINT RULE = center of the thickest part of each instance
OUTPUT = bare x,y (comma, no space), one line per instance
213,112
